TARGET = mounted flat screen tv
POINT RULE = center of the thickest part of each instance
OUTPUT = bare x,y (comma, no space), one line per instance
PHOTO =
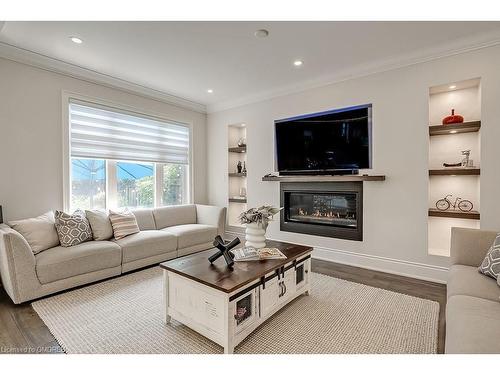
332,142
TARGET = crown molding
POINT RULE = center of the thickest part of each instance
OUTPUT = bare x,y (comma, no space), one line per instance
10,52
458,47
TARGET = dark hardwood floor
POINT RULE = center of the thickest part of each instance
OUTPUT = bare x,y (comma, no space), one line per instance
22,331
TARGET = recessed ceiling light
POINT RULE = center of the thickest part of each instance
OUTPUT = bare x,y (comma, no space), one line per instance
262,33
76,40
452,87
210,91
298,63
453,131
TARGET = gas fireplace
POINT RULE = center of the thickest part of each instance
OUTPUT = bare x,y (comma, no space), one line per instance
330,209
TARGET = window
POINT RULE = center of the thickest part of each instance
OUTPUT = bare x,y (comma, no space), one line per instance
122,160
88,183
135,184
174,184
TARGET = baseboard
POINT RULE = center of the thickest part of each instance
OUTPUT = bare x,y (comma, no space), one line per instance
415,270
421,271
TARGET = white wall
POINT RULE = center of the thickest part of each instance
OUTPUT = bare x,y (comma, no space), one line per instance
31,136
395,211
466,102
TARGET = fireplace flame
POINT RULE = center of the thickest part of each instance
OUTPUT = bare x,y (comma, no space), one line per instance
327,214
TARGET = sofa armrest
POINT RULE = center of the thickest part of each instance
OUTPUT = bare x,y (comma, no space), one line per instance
469,246
212,215
17,265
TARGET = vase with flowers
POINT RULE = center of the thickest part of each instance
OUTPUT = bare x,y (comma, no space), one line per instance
256,221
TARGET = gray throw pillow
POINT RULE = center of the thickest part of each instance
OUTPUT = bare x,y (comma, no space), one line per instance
491,263
72,229
100,224
40,232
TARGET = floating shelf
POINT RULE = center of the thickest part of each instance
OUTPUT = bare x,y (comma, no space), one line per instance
455,172
345,178
474,215
238,200
237,174
238,149
464,127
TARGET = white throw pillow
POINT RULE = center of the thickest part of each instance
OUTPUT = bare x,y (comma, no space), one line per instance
40,232
124,223
100,224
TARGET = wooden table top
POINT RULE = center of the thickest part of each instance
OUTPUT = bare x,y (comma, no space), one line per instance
219,276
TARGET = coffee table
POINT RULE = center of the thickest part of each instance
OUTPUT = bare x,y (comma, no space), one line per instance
226,305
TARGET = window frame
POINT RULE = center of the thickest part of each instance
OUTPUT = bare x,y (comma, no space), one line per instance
67,97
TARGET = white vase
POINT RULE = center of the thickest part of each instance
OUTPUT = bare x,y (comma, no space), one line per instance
255,235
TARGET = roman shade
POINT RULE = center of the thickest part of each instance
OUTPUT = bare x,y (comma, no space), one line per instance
106,133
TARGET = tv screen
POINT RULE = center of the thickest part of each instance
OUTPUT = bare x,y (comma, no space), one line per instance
325,142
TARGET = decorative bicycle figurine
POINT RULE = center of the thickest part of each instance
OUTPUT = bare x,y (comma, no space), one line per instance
462,204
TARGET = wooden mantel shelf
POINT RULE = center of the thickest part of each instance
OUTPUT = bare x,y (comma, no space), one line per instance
320,178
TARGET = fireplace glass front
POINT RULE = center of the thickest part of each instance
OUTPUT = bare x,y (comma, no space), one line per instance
338,209
324,209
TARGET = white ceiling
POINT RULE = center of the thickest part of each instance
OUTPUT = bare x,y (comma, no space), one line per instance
186,58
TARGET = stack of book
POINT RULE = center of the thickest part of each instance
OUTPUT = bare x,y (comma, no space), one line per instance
249,253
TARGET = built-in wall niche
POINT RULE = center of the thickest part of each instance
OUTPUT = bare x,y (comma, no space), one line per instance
446,144
237,173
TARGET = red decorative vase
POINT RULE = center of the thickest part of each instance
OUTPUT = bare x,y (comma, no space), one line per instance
453,119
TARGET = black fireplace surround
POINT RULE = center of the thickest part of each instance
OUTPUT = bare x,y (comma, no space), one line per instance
329,209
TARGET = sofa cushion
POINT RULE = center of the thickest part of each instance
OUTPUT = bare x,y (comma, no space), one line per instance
147,243
195,249
40,232
100,224
466,280
174,215
472,325
62,262
192,234
145,219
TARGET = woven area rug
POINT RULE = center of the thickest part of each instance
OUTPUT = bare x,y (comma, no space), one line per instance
124,315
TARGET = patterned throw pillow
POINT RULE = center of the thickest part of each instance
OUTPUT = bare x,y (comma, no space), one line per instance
124,224
72,229
491,263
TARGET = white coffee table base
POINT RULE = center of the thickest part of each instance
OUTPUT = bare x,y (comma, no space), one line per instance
211,312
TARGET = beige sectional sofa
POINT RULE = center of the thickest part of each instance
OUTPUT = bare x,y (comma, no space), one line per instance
473,306
166,233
